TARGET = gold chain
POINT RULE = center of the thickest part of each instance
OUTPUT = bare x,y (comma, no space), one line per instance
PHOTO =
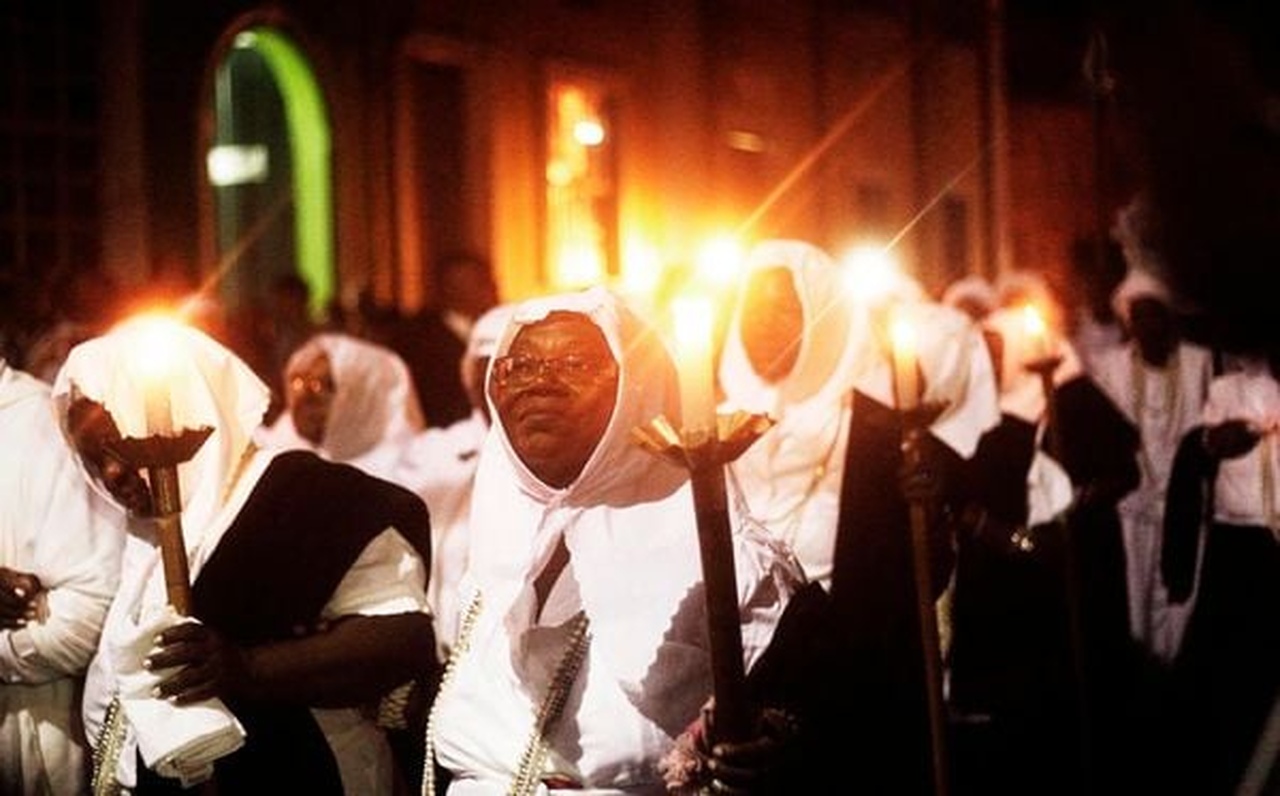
460,648
529,774
106,753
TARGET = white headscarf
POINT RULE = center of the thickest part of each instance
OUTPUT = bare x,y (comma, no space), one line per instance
790,477
375,410
207,386
1138,283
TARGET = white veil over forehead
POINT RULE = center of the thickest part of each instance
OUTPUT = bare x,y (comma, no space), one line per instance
823,365
207,385
375,410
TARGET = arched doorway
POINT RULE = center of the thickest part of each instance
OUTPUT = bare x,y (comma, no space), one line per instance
269,166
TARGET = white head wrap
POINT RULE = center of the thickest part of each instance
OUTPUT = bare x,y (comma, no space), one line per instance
1138,283
971,289
375,410
207,384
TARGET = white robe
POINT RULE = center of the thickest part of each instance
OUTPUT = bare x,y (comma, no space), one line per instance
790,479
1169,405
628,523
53,526
210,387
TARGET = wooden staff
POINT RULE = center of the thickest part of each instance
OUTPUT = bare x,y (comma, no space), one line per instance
731,717
160,455
1045,367
915,418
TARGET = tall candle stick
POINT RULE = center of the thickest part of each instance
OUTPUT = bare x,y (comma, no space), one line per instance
693,318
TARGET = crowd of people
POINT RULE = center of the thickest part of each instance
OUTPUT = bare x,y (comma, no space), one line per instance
990,559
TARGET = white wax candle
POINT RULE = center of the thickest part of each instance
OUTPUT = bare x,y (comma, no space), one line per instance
906,381
693,318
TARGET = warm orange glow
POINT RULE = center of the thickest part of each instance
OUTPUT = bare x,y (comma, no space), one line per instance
641,267
588,132
871,273
719,260
1037,332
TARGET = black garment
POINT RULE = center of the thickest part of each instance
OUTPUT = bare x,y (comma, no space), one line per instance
1044,676
1228,670
433,353
303,526
849,665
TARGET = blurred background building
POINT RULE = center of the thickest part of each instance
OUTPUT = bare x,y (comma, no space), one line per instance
356,144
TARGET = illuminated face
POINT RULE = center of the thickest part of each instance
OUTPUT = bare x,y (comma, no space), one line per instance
554,392
94,436
310,396
772,323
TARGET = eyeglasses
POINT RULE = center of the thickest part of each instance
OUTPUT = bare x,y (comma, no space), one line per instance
313,385
520,370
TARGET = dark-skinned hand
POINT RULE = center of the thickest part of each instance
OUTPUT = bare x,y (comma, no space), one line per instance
1230,439
756,765
207,665
18,593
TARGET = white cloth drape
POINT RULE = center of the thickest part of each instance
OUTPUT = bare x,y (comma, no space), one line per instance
53,526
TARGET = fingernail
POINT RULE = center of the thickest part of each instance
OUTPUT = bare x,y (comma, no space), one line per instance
18,591
146,663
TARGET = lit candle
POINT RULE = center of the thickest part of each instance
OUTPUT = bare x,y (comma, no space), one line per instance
906,379
693,318
1037,333
154,364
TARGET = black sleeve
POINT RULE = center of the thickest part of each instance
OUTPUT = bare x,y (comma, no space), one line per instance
1188,504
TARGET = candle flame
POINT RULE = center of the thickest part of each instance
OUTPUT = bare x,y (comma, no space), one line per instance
871,273
903,336
155,345
1033,321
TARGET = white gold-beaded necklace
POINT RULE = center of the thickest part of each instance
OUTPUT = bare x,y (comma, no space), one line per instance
529,772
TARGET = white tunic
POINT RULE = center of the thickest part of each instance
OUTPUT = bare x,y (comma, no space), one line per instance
53,526
1163,404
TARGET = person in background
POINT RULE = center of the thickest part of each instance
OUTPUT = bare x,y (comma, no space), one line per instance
582,653
350,401
59,567
972,294
1042,668
790,353
1160,382
443,468
433,341
1221,522
308,582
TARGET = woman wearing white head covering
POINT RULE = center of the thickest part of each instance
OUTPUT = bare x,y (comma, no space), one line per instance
790,478
278,545
583,548
349,400
1161,383
59,562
